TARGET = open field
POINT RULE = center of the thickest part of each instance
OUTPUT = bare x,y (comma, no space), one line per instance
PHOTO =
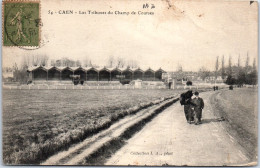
239,107
38,123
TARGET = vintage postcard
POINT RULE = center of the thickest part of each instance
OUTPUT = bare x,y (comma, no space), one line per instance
130,82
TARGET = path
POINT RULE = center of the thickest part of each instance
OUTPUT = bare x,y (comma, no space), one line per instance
169,140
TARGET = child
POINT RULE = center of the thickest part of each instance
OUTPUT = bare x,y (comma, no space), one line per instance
199,105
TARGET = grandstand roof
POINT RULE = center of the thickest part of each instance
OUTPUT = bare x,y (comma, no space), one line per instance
33,68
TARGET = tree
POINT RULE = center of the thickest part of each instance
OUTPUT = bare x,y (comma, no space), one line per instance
90,63
238,61
252,78
87,62
203,73
43,60
241,79
247,64
253,74
40,60
58,63
132,63
78,63
53,62
230,66
120,62
230,80
20,74
188,83
179,68
216,68
223,74
254,65
35,61
111,62
25,62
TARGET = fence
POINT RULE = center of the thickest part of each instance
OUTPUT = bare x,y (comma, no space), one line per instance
106,85
76,87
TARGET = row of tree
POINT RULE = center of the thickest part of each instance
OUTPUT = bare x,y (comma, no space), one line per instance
43,60
232,74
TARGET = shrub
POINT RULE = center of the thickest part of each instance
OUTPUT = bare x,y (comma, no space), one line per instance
188,83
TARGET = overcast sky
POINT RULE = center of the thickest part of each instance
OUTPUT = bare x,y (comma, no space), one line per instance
191,34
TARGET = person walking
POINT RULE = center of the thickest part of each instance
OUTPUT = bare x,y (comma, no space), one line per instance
198,106
186,100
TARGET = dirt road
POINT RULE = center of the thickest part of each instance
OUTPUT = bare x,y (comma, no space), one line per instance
169,140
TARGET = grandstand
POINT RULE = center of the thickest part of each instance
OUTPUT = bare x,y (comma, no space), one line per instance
38,74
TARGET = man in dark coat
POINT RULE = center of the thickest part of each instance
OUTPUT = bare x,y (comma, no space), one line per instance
198,106
185,99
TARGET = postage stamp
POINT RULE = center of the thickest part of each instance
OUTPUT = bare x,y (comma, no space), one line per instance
21,23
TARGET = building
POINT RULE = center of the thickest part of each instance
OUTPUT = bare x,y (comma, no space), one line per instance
8,74
124,75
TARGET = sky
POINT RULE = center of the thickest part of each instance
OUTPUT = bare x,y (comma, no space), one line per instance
190,34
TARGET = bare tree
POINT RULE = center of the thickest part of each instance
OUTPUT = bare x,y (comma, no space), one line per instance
120,62
111,62
179,68
230,65
68,62
247,64
238,61
53,62
203,73
86,62
58,63
216,68
254,65
132,63
35,60
25,62
223,68
78,63
90,63
43,59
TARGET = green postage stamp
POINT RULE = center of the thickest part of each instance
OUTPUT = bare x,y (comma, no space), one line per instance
21,21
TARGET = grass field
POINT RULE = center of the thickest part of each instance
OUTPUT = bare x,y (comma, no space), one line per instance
239,107
38,123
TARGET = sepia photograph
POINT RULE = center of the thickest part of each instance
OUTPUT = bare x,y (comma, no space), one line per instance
130,82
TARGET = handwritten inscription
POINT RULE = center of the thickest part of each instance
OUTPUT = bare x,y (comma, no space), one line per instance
152,6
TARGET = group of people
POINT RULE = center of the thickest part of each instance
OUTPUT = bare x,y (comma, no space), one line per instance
192,106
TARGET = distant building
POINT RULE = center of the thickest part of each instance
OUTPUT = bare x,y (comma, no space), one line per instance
212,79
183,76
7,74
